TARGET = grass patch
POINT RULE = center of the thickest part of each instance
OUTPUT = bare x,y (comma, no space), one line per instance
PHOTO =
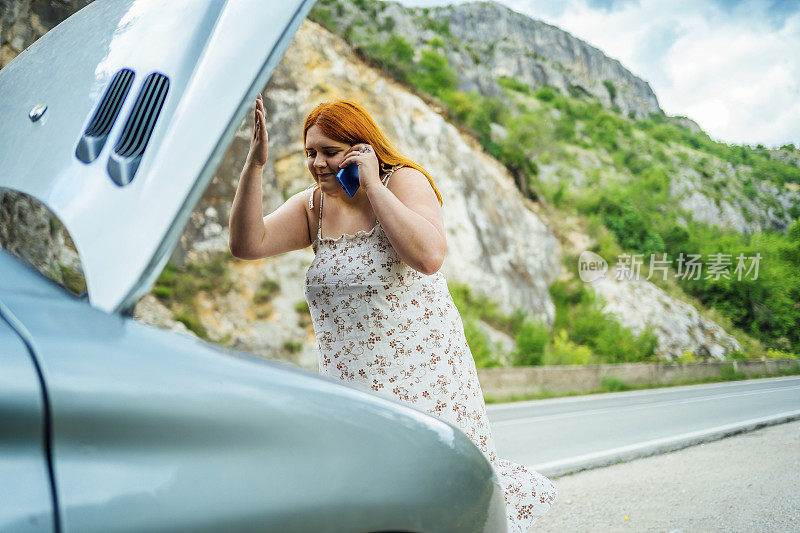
266,291
613,384
72,279
192,322
472,305
292,346
484,354
513,84
579,316
177,287
303,314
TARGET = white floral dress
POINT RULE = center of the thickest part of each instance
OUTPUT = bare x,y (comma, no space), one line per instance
389,329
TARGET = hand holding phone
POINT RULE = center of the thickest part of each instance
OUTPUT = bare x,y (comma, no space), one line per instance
348,179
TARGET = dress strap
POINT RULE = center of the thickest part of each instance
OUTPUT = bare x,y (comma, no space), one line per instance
389,175
314,187
319,223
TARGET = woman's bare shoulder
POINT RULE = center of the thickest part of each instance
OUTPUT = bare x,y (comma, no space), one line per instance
410,181
407,171
300,201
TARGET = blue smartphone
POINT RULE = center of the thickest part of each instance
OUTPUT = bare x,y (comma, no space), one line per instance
348,179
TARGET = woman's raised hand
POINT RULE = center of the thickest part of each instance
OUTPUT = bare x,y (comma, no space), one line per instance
260,139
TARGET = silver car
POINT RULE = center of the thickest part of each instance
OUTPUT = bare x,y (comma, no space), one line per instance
115,120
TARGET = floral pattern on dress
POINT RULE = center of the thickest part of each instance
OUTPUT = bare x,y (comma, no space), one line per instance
386,328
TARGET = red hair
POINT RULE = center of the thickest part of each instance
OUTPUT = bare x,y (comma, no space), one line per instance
347,122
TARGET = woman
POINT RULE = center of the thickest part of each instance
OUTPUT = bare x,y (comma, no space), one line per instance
383,316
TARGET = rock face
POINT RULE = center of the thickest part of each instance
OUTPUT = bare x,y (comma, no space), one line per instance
678,325
761,207
486,40
497,244
30,231
540,54
24,21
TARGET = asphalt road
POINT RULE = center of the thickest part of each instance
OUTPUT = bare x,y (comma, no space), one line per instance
748,483
565,435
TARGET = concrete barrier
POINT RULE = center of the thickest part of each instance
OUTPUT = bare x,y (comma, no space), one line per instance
501,383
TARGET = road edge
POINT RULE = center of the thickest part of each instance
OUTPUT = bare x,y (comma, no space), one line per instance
623,454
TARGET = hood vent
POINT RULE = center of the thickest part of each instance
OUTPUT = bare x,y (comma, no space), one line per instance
127,154
96,133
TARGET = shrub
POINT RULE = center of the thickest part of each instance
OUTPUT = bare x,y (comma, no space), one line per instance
780,354
162,292
482,308
727,373
633,161
532,342
323,16
613,384
612,90
440,26
478,342
266,291
604,130
566,352
388,24
579,314
512,84
545,94
565,128
662,133
475,111
292,346
179,285
192,322
395,56
631,228
654,183
434,74
304,314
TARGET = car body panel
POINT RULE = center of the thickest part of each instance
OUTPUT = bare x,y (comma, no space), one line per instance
154,430
26,502
217,55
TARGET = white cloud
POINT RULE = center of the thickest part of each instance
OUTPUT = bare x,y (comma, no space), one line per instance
725,66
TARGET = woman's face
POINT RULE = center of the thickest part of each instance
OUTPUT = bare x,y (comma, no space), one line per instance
323,156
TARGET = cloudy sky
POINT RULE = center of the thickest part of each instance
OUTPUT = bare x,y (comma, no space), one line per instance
733,66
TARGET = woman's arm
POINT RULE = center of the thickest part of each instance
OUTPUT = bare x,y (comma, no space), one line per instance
245,227
411,217
283,230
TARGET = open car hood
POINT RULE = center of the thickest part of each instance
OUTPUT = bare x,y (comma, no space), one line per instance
142,98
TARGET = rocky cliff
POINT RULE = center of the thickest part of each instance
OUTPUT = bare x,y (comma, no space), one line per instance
484,41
